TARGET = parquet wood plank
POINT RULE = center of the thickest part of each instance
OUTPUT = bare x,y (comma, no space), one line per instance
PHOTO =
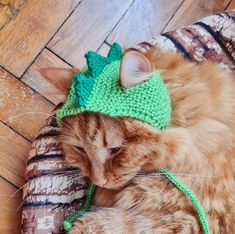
27,26
144,19
35,80
8,9
104,49
10,220
231,6
47,89
26,34
87,28
20,107
13,155
193,10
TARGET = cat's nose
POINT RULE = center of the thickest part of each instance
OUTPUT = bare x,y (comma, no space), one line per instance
100,181
102,184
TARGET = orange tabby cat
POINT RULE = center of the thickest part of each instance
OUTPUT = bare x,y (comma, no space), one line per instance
123,155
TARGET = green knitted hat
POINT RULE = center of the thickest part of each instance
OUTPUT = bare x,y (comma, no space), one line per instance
97,89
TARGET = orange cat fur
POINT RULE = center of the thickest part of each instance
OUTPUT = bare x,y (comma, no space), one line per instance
123,155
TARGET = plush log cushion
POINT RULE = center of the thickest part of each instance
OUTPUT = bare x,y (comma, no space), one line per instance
54,190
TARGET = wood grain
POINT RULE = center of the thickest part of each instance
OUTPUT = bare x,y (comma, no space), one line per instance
104,49
20,107
10,220
34,79
26,27
231,6
37,21
87,28
193,10
13,155
48,89
8,9
144,20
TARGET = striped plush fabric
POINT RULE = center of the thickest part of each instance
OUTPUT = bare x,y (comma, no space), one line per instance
211,38
54,190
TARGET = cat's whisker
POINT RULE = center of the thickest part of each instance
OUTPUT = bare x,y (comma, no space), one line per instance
22,203
203,180
67,174
18,190
152,176
193,175
78,173
48,195
11,118
78,176
37,213
7,196
181,174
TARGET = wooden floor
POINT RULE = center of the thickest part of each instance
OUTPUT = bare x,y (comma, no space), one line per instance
57,33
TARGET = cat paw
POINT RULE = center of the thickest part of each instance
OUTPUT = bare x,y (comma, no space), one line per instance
85,225
77,228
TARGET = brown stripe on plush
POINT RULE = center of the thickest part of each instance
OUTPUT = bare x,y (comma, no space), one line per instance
44,220
43,157
177,44
56,204
56,171
52,189
194,38
202,48
229,14
50,181
222,26
62,188
146,44
217,38
135,48
45,146
48,133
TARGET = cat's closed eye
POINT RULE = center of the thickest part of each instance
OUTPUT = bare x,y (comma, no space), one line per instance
80,150
114,151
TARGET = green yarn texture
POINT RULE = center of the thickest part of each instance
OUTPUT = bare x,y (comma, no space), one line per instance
192,197
68,223
98,89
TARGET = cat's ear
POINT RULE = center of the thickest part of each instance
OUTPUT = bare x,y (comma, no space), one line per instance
135,68
61,78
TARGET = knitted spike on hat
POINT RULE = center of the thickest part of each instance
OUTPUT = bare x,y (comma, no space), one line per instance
97,89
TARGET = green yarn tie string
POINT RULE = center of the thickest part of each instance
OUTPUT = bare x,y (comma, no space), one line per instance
191,196
67,224
97,89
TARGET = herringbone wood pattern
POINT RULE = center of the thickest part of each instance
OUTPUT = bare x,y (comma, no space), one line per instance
57,33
